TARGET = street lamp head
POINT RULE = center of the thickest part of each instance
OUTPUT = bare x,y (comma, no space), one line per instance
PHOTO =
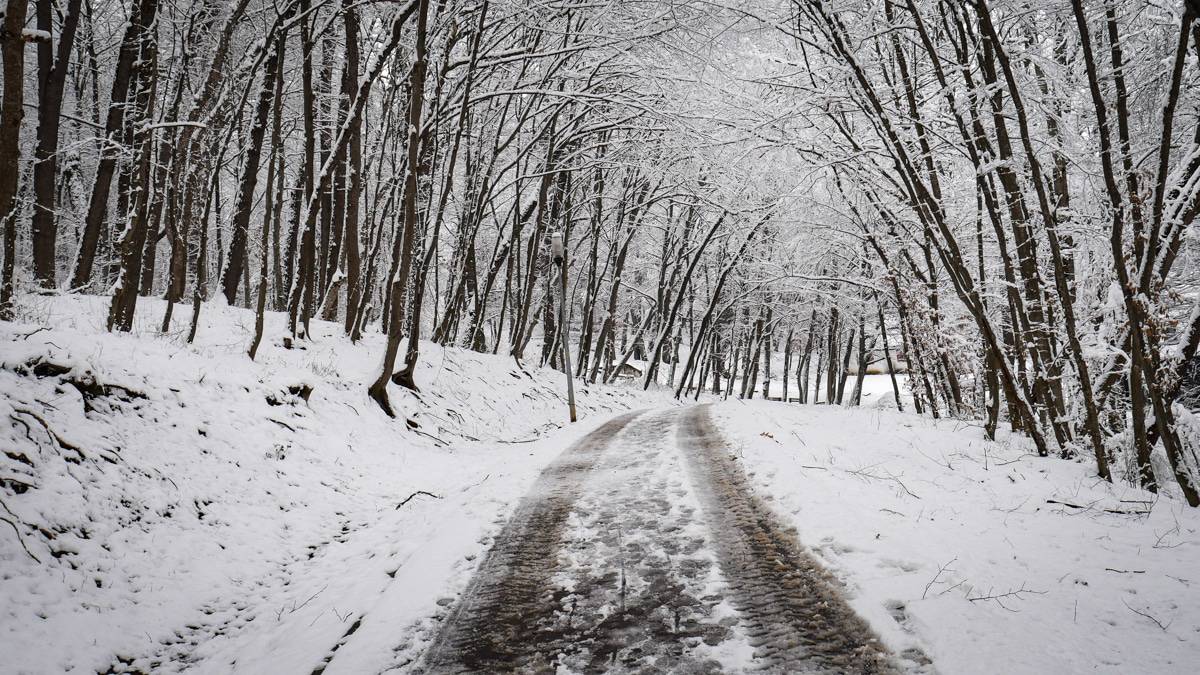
557,254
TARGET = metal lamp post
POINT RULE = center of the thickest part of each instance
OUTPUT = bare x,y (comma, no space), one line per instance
559,256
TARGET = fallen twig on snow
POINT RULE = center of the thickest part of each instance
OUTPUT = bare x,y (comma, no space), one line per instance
26,336
521,440
1086,508
1141,613
475,485
410,497
935,578
295,608
1158,543
412,427
889,477
999,598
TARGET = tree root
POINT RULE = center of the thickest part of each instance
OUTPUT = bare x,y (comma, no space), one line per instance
17,531
59,440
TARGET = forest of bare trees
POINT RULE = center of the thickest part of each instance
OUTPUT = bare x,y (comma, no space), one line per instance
996,194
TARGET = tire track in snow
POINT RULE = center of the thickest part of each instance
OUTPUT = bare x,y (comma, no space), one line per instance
796,617
643,549
639,589
489,628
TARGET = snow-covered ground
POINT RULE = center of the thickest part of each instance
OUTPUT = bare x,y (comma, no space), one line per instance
989,558
171,504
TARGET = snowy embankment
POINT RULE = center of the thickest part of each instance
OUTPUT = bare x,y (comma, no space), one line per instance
170,504
989,558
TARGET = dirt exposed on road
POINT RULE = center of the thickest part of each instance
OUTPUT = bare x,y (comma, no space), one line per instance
642,548
793,609
498,623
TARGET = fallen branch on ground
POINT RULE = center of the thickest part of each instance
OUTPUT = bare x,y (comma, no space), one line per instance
295,608
521,440
999,598
26,336
935,578
410,497
1140,613
1085,508
865,474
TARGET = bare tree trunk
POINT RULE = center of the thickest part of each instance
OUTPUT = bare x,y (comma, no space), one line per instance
12,48
710,316
378,388
236,261
414,339
669,318
1143,358
133,243
863,358
143,13
279,296
787,364
52,78
1092,417
273,83
845,369
887,356
355,168
831,356
767,352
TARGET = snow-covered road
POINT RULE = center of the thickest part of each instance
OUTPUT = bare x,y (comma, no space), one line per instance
642,548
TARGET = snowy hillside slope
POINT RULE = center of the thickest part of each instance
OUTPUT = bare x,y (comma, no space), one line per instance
168,504
985,556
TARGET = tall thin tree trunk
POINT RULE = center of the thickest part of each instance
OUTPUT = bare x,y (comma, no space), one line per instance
273,80
142,13
355,168
236,262
12,48
378,388
133,241
52,78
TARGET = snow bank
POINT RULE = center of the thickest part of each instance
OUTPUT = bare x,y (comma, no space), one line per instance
170,505
987,557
